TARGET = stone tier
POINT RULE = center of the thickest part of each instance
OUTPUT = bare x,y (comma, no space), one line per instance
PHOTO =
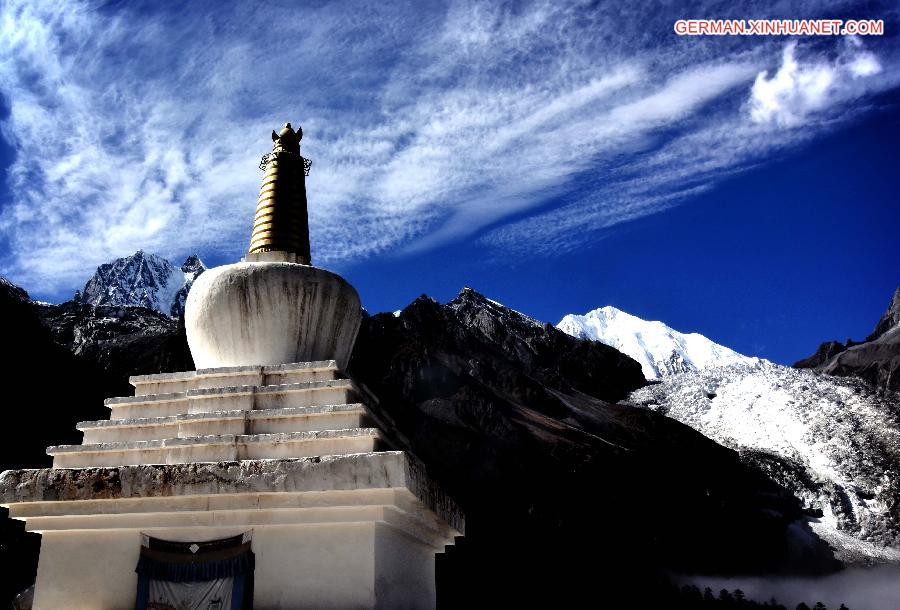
265,421
234,376
371,521
233,398
218,448
295,410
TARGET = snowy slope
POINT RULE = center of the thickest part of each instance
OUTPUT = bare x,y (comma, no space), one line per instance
661,350
144,280
834,441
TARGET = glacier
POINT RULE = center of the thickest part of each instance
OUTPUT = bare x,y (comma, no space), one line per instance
833,441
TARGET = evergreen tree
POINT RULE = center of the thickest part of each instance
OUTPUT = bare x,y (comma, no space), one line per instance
802,606
819,606
692,593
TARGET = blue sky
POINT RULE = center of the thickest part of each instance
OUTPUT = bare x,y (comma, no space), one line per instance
556,156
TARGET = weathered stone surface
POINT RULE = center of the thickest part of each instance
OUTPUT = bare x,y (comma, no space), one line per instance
271,313
390,469
247,398
280,374
218,447
237,414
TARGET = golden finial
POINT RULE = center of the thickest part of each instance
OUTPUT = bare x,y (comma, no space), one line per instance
281,223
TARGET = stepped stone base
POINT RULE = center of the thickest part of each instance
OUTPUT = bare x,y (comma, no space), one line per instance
355,531
287,451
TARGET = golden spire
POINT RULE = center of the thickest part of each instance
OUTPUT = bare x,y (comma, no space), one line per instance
281,222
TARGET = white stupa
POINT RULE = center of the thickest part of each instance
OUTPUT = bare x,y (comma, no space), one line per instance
260,480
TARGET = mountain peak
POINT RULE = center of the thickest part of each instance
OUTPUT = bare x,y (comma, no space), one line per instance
192,264
467,292
142,279
890,319
660,349
12,290
470,299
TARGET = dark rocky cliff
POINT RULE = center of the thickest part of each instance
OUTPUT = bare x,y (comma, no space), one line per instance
60,362
563,489
877,359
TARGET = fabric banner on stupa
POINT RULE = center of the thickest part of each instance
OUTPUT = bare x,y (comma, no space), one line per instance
211,575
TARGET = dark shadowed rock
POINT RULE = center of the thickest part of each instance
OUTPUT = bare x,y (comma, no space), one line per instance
121,340
826,351
514,418
192,267
877,359
890,319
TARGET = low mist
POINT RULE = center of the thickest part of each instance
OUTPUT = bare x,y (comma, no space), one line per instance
876,588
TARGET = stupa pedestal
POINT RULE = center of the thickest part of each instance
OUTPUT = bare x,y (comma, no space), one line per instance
267,444
289,453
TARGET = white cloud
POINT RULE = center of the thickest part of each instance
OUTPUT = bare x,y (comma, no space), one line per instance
798,90
864,64
142,128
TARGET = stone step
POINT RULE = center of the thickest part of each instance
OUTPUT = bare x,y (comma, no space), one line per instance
297,372
237,422
234,398
219,448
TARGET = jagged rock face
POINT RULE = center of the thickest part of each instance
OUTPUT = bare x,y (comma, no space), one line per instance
46,387
890,319
142,280
826,351
877,359
834,442
191,268
10,293
121,340
513,418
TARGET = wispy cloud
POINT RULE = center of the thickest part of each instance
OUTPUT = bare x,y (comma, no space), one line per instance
142,126
803,99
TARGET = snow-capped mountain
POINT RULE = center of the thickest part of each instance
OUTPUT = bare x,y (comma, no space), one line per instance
660,350
144,280
834,441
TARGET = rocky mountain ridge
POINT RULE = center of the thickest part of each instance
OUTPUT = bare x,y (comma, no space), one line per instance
877,359
142,280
